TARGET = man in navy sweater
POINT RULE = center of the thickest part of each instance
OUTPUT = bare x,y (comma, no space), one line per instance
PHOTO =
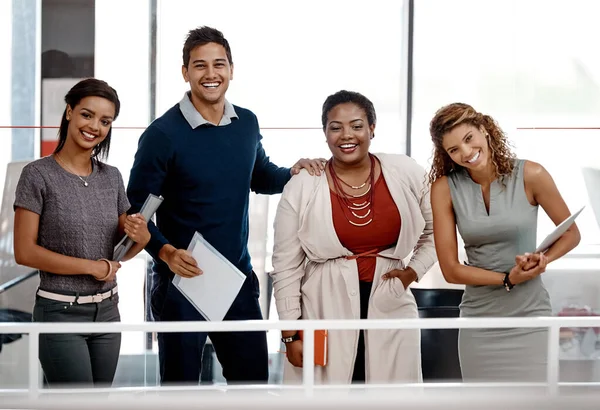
204,155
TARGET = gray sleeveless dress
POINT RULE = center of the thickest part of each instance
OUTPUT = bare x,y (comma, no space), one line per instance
491,242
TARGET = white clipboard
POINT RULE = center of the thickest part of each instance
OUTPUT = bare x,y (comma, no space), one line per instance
557,232
213,292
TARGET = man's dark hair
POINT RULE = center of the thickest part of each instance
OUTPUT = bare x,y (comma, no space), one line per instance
201,36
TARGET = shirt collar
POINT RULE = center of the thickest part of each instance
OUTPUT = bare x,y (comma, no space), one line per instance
195,119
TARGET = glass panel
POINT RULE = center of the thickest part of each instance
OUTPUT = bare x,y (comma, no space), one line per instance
125,64
532,67
284,77
5,85
17,302
523,77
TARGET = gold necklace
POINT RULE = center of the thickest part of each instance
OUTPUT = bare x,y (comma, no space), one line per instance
85,183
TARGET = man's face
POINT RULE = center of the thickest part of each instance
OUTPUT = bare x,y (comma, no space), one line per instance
208,73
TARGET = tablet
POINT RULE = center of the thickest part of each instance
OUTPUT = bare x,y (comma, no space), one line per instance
558,232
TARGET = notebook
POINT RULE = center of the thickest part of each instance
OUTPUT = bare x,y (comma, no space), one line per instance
320,347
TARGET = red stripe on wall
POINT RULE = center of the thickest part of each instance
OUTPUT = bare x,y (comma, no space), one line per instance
47,147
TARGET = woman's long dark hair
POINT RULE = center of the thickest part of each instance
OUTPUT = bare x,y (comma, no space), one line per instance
90,87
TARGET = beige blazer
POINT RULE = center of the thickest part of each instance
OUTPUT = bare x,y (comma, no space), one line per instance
312,280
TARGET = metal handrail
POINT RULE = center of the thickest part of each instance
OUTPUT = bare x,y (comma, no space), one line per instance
553,324
14,282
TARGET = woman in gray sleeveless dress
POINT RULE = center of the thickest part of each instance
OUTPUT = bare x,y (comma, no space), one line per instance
493,198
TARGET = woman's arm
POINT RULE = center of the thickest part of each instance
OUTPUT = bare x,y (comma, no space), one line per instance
446,244
424,255
29,253
546,194
288,262
288,271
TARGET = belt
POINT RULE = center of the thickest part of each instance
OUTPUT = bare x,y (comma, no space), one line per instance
97,298
369,254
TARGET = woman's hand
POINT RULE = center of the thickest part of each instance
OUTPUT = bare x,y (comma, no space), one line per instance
136,228
527,267
294,352
105,270
407,276
528,260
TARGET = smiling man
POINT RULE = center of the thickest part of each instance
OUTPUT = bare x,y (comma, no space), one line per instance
204,155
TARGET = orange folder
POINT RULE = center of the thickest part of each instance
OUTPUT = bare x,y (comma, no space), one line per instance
320,347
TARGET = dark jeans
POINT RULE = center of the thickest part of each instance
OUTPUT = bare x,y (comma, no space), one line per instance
358,376
83,358
243,355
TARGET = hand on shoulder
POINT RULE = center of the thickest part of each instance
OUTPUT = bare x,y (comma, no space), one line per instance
312,166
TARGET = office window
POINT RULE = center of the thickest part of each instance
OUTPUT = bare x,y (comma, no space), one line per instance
532,67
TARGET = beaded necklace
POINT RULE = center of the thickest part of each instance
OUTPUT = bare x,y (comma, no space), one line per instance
360,206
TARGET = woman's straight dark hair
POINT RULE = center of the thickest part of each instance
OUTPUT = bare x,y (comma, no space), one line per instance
90,87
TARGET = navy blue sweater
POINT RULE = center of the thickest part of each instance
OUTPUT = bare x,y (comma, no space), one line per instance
205,176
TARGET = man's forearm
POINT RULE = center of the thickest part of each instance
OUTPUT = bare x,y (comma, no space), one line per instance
271,181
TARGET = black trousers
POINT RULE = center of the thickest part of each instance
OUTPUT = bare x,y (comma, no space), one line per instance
78,359
358,376
243,355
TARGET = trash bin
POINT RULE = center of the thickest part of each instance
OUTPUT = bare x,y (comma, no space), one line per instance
439,347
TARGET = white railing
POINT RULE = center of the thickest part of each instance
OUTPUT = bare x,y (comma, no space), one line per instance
553,324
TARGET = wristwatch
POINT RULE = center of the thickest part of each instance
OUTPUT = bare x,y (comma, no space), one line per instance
290,339
507,283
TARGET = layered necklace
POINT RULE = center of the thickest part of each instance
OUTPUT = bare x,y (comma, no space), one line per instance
357,208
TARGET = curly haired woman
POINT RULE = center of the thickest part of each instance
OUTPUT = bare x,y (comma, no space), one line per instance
479,186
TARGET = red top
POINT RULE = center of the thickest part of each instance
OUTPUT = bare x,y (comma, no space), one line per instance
382,233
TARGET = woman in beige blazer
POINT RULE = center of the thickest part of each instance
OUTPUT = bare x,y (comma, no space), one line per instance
340,244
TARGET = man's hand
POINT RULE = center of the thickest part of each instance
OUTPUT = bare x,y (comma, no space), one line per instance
407,276
313,166
180,261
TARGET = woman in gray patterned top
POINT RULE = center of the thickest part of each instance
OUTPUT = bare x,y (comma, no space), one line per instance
70,210
493,198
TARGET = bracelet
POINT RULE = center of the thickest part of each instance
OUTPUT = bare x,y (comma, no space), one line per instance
291,339
109,269
508,285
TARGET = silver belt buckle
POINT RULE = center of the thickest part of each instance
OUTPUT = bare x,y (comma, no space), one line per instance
97,298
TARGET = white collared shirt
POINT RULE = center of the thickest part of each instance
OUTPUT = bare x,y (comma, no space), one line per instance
195,119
